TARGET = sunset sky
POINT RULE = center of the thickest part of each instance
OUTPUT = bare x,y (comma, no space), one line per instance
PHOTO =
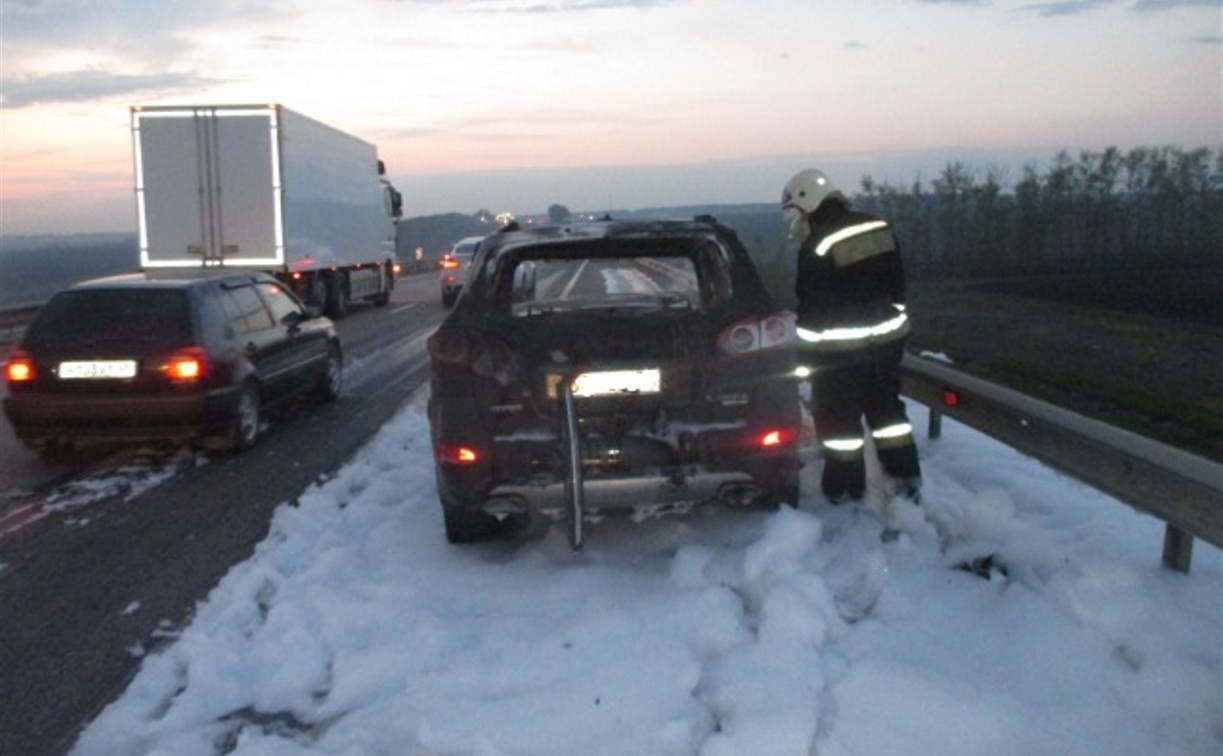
517,104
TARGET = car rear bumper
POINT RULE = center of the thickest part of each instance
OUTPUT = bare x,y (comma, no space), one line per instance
731,475
39,417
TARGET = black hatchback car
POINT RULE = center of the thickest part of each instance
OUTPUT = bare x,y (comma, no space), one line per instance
137,358
638,367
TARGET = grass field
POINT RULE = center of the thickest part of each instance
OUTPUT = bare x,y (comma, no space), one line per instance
1132,355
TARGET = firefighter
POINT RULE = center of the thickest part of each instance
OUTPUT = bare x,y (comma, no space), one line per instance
851,327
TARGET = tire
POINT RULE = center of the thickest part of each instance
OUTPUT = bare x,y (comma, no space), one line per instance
57,452
448,298
331,381
383,298
785,492
469,526
317,292
247,419
337,296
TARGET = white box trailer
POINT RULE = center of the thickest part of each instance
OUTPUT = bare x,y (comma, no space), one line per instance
265,188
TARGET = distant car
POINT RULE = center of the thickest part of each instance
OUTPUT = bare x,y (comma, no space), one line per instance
133,358
455,266
610,367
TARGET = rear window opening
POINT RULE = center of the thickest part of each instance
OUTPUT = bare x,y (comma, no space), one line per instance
678,274
84,317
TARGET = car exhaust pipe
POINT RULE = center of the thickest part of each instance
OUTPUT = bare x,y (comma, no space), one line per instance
502,507
739,494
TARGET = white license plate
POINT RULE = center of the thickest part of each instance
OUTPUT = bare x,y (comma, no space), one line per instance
611,383
98,369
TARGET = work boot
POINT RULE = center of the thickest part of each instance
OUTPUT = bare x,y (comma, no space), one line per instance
910,488
838,495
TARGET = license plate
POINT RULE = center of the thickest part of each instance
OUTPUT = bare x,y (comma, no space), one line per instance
610,383
98,369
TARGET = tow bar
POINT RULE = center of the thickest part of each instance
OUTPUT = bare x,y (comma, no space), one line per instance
572,443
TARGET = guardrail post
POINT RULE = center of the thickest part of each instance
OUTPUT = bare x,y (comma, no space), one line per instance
1178,549
935,428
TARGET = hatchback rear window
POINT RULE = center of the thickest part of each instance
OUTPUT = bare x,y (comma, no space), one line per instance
80,317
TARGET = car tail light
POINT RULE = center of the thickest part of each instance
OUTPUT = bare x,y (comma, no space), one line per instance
20,368
776,438
188,365
449,346
457,454
484,356
752,335
449,262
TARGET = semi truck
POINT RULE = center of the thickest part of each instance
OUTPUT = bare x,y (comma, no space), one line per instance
262,187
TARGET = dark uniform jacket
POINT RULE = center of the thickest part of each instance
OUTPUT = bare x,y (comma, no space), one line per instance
850,285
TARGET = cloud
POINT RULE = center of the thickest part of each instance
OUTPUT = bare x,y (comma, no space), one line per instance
1154,6
1209,39
565,6
534,6
156,33
82,86
1074,7
1066,7
67,22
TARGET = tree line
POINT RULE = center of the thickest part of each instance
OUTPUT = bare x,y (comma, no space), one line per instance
1094,212
1098,211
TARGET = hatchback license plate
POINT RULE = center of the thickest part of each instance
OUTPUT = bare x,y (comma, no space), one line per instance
98,369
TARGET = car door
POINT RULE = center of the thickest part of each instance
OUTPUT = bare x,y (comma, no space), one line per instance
257,336
302,350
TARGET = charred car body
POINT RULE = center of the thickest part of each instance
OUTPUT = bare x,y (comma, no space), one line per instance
610,366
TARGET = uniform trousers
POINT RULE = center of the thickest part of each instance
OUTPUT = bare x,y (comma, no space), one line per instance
864,384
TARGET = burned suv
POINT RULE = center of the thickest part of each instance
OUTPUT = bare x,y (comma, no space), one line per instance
638,367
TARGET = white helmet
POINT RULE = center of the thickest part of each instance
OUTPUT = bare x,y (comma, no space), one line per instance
806,190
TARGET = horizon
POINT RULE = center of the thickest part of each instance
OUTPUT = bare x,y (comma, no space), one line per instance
518,104
901,170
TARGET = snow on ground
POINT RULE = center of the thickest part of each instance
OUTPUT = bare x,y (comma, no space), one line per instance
356,629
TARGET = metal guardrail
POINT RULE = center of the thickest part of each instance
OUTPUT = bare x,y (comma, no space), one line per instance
1182,489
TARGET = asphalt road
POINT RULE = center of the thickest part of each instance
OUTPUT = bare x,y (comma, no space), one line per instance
84,594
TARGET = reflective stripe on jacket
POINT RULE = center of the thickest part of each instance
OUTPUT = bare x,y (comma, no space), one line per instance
850,283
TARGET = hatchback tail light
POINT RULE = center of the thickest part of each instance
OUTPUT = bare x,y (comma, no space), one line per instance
20,368
752,335
188,365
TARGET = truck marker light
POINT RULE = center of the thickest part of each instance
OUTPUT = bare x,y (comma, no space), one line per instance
951,398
